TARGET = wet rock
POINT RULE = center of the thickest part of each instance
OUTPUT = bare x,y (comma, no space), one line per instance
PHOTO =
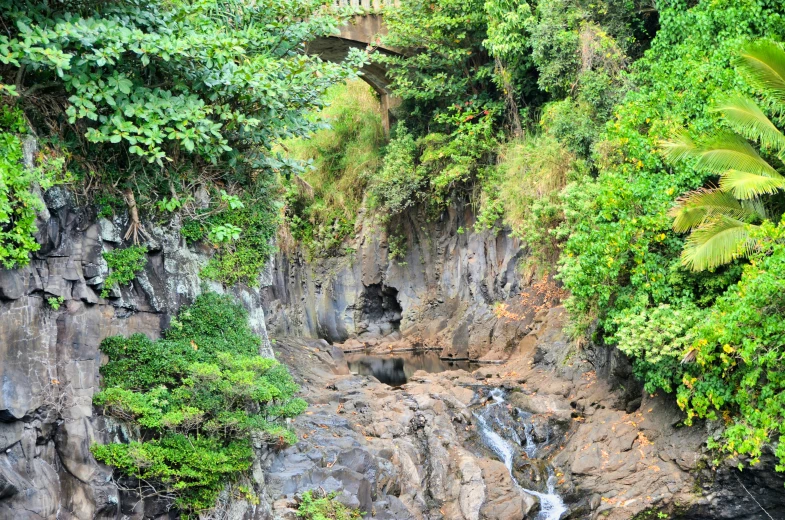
10,434
12,284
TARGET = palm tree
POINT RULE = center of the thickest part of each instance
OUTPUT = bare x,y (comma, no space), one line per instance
720,218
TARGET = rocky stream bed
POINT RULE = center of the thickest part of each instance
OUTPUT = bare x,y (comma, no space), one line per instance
520,440
538,423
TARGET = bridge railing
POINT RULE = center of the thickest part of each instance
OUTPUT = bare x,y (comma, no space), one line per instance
371,5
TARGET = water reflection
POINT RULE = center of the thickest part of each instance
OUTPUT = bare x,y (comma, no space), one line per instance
396,369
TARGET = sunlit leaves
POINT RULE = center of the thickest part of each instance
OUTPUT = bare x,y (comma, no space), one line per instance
166,77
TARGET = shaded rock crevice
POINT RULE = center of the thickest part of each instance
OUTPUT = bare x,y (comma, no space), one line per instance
447,279
50,357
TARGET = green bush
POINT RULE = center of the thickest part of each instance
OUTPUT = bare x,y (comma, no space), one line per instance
124,264
532,173
18,204
157,100
255,222
620,254
197,396
325,508
734,369
322,203
397,185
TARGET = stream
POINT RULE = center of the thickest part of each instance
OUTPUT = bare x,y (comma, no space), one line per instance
396,369
493,432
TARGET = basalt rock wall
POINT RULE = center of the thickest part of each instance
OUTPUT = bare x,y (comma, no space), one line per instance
52,321
419,281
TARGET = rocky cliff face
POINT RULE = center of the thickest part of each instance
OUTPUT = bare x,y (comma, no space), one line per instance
410,453
49,358
442,290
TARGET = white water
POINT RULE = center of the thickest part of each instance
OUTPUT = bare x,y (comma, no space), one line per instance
551,504
530,448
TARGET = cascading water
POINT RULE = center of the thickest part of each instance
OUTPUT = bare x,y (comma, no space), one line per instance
529,447
551,505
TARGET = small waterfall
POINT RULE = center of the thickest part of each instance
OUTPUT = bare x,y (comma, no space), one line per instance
529,446
551,505
497,444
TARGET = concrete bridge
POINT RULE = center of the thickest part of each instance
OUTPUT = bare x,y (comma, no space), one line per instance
362,31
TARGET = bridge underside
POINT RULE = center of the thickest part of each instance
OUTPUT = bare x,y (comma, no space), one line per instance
361,32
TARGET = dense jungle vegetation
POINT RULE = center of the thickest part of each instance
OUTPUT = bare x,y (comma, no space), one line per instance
196,398
156,113
636,147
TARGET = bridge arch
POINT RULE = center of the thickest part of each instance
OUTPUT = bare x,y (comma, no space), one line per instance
361,31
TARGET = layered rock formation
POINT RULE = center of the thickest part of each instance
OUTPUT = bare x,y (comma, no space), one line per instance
443,291
49,357
409,453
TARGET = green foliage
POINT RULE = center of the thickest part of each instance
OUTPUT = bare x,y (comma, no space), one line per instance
167,98
620,253
472,73
323,201
532,173
204,77
55,302
737,373
18,204
397,248
193,470
221,233
107,204
325,508
243,235
397,185
465,148
450,64
718,218
197,396
123,264
571,37
656,338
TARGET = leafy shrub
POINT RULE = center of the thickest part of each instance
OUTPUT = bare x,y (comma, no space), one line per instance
736,368
123,264
325,508
620,252
532,173
18,205
463,150
396,186
157,77
324,200
159,99
247,233
197,396
397,247
451,62
656,338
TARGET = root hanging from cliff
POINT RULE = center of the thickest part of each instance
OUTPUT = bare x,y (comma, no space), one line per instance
135,226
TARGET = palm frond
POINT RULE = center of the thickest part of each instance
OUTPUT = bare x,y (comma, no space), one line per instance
717,242
763,65
746,118
694,208
724,151
745,185
728,151
679,148
757,210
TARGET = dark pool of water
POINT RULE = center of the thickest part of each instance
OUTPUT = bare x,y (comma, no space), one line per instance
396,369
